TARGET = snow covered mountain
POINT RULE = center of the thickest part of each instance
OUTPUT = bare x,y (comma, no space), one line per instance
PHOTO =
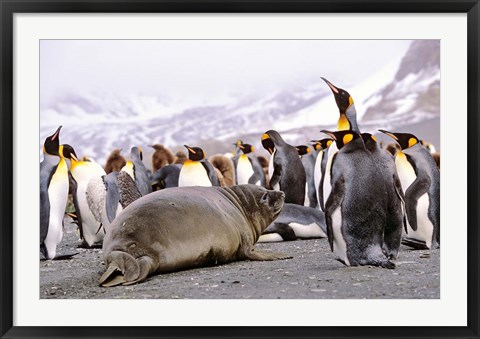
405,92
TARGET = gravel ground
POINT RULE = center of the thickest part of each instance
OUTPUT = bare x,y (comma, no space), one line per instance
311,274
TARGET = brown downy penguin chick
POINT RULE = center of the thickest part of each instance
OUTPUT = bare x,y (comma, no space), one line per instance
180,157
115,161
161,157
225,166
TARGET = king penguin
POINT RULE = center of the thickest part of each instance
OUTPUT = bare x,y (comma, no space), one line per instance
286,171
356,209
53,195
308,158
248,168
321,147
90,229
197,171
420,178
396,199
138,171
346,121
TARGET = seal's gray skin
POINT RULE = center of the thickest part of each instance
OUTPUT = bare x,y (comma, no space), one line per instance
293,214
396,199
186,227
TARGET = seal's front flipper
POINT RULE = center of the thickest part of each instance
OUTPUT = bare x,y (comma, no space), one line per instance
113,276
253,254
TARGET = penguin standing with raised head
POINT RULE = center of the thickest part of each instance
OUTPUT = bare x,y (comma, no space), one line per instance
420,178
286,171
356,209
197,170
138,171
53,195
346,121
321,147
308,158
395,222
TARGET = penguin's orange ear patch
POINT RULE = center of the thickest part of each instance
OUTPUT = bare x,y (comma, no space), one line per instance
411,142
347,138
329,142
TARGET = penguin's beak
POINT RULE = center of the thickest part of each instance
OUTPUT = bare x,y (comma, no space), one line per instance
333,88
329,133
390,134
191,150
57,132
241,146
74,157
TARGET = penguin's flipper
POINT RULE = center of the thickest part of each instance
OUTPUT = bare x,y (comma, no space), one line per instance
398,189
127,189
74,186
414,243
277,174
418,188
210,172
258,174
44,213
334,201
286,232
113,195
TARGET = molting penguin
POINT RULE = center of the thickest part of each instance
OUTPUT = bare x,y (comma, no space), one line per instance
346,121
296,222
321,147
420,180
89,227
138,171
226,167
308,158
161,157
197,171
53,195
285,168
248,168
356,210
396,200
115,161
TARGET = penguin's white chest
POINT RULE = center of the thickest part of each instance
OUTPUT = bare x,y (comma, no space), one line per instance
57,195
407,176
317,170
244,170
271,169
327,186
339,244
193,174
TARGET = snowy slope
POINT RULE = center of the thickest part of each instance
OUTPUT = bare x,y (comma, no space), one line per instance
401,93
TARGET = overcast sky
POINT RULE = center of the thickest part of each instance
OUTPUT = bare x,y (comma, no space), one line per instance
204,70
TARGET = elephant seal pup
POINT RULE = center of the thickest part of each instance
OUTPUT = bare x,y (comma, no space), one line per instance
186,227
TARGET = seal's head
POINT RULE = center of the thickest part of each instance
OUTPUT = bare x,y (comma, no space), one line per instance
261,206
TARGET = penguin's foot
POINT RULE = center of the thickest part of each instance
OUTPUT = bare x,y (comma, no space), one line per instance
414,243
65,256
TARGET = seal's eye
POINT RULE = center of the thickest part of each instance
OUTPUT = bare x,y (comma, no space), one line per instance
265,198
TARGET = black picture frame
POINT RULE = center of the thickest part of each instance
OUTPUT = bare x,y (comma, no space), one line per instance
10,7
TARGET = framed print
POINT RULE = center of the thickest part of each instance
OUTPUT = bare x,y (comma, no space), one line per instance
219,93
